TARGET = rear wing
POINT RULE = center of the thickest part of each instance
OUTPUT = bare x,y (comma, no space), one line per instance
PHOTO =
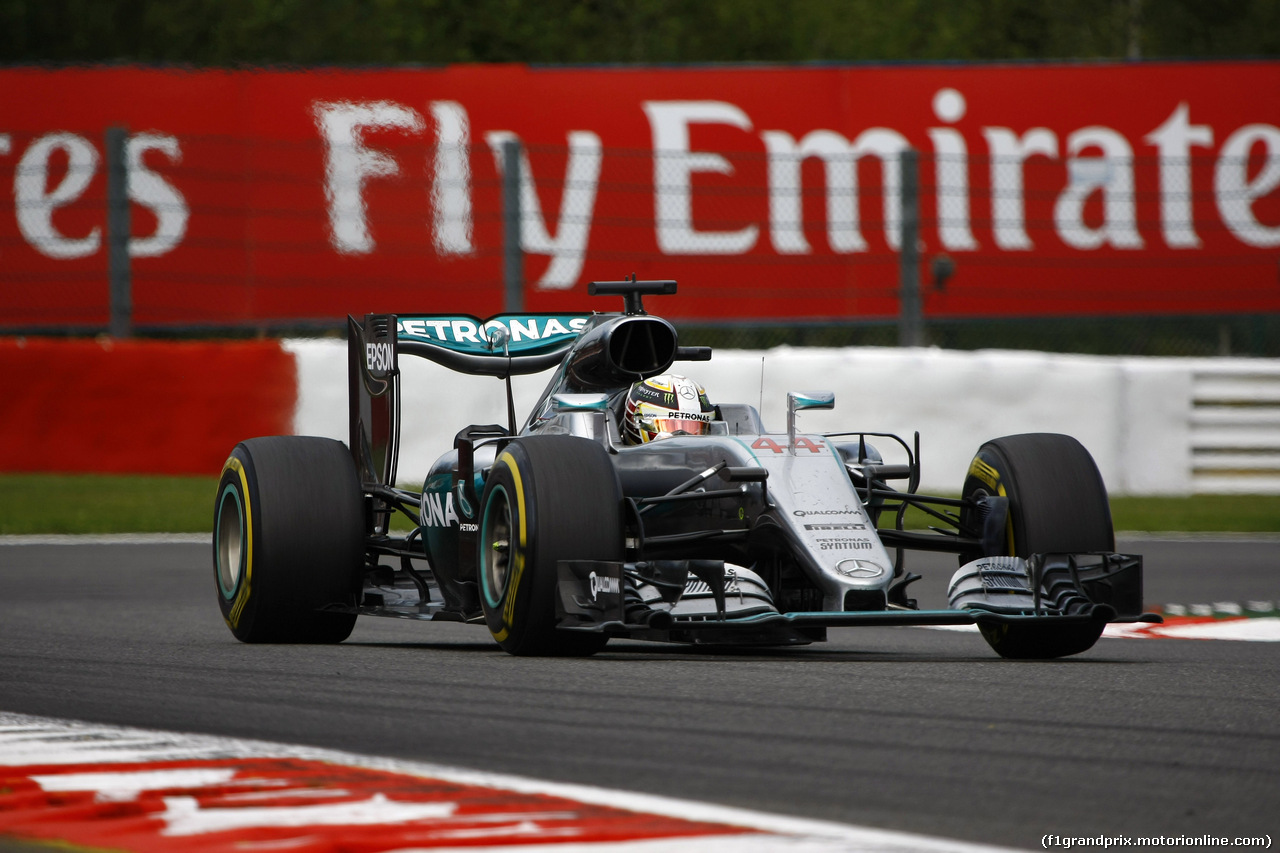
505,345
502,346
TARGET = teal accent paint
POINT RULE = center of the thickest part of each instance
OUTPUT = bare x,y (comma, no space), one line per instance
229,594
492,597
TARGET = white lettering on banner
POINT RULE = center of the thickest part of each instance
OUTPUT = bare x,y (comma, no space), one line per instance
568,249
451,184
786,219
951,173
1235,192
888,145
57,169
840,161
1098,161
153,192
54,180
1173,141
673,168
1008,152
36,205
1112,173
348,164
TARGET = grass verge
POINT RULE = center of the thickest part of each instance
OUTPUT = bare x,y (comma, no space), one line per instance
103,503
1196,514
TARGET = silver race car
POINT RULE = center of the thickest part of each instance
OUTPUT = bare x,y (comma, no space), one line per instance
567,529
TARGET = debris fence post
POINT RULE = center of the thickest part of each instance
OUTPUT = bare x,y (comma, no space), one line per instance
910,316
512,253
119,274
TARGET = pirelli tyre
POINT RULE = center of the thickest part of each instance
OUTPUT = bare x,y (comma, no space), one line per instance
546,499
288,540
1057,504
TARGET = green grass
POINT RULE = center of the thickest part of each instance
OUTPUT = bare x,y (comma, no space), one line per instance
1233,513
100,503
104,503
1198,514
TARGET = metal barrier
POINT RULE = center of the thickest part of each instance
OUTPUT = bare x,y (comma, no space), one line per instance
1235,428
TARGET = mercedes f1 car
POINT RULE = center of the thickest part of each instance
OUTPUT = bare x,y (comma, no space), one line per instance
557,535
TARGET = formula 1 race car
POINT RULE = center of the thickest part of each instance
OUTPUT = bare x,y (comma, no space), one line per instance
559,534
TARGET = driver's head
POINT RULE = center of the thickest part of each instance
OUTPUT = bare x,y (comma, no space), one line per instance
666,405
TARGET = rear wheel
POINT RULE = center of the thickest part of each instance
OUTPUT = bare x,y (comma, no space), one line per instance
1057,504
547,498
288,539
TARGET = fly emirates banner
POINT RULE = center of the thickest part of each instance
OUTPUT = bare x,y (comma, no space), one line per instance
772,193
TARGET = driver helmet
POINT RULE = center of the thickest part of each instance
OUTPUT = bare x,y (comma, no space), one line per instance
666,405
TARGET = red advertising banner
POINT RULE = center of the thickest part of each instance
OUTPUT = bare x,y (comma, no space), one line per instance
771,193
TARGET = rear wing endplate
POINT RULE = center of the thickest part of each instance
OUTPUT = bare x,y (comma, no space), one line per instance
502,346
373,397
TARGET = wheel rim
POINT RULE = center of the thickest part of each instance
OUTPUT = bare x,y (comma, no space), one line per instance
230,551
1009,546
495,538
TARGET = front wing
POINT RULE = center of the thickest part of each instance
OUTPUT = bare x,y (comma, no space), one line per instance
599,597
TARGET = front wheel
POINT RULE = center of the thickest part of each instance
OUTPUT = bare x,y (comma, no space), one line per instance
547,499
1057,504
288,540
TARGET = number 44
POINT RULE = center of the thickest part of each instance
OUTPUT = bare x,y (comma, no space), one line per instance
802,443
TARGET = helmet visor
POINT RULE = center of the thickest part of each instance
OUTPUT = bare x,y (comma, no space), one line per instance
671,426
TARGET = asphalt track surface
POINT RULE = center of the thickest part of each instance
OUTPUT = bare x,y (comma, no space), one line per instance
902,728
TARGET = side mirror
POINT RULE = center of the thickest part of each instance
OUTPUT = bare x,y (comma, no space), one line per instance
588,410
799,401
561,403
498,338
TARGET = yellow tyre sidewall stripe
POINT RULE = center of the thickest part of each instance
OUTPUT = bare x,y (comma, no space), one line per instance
985,472
1008,524
990,475
516,570
242,595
